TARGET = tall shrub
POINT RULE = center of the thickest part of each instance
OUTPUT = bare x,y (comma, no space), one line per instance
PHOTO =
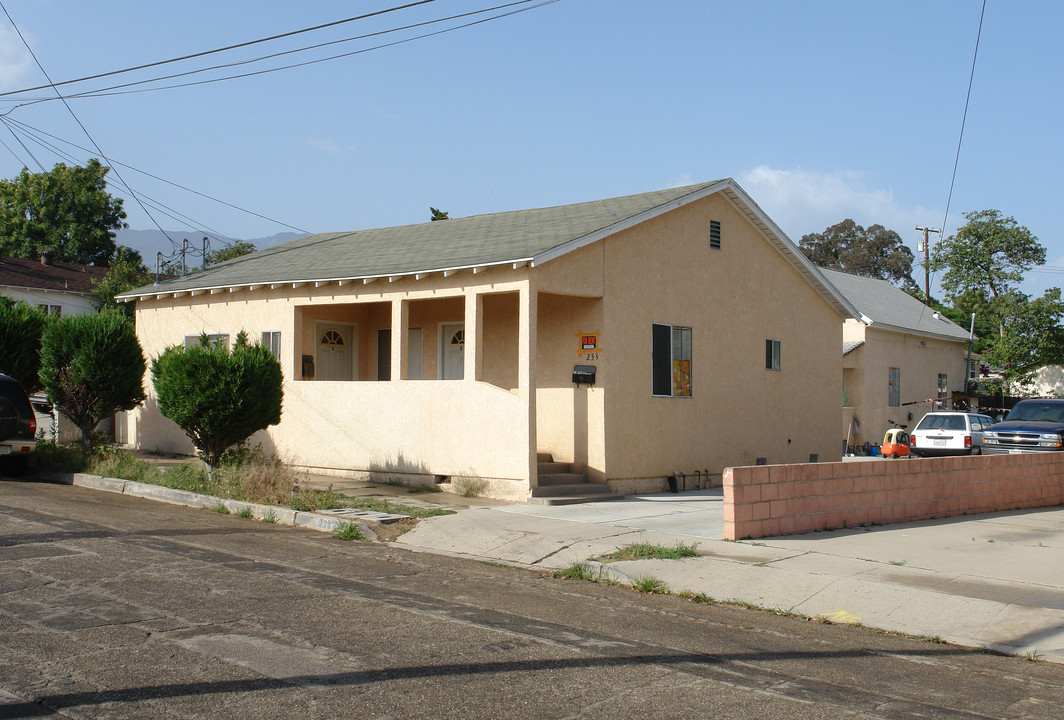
219,398
21,327
92,366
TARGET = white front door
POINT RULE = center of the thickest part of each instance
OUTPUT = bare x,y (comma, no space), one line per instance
452,351
336,354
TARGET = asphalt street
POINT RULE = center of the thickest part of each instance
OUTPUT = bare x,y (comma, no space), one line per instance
119,607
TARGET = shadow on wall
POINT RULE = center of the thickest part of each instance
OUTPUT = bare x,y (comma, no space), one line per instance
158,433
400,471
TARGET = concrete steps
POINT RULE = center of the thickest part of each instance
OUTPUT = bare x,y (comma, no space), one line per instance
559,485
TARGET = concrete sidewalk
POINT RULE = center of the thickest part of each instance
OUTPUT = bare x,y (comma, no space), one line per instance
993,581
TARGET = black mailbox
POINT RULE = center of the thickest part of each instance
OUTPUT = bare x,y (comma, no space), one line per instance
584,374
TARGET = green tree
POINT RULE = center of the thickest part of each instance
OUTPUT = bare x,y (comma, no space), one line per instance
984,263
21,327
438,214
234,250
92,366
126,272
219,398
66,209
1031,336
874,252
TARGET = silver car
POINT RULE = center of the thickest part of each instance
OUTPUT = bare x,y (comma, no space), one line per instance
949,433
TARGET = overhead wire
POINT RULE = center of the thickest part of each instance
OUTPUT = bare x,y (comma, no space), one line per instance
158,206
105,91
76,119
964,119
205,53
32,132
117,89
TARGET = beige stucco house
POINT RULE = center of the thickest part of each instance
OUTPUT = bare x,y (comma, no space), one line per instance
448,349
901,359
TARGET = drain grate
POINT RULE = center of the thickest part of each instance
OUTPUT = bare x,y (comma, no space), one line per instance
374,515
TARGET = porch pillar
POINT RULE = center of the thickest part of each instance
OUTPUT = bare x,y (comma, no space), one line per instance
400,339
473,363
527,317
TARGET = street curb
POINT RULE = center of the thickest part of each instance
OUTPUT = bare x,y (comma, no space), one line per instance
280,515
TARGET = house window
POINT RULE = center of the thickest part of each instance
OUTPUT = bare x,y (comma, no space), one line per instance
772,354
56,310
214,340
714,234
671,360
384,354
943,386
894,387
272,340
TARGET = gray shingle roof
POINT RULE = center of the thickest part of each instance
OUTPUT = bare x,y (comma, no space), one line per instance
479,240
886,305
849,347
534,236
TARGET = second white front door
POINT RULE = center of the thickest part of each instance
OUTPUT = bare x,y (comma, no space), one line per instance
452,351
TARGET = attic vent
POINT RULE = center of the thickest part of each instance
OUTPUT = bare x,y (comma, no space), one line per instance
714,234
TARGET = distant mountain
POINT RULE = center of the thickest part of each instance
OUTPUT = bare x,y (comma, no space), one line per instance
150,242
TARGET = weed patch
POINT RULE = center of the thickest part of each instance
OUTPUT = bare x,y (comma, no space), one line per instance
381,505
577,571
348,532
649,584
469,487
59,458
646,551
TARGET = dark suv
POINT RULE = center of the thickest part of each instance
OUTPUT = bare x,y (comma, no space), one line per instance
1031,426
18,426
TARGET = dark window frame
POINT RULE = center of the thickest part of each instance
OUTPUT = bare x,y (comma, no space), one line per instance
671,344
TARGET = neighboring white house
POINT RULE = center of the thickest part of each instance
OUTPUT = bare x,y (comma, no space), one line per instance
58,288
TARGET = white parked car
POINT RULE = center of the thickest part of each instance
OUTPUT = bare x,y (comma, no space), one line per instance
949,433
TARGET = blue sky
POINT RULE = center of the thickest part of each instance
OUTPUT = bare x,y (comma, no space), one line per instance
821,110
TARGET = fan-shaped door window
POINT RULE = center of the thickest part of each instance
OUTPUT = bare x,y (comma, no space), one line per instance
335,356
332,338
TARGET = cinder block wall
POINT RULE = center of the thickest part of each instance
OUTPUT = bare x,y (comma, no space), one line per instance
766,500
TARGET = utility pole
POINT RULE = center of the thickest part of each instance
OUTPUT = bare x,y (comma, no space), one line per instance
925,246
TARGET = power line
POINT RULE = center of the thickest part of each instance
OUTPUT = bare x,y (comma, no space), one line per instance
30,130
76,119
204,53
964,119
159,207
106,90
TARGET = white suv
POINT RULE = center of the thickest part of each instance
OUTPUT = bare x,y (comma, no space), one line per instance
949,433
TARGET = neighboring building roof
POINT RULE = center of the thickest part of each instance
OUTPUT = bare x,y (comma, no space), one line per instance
849,347
884,305
34,274
518,237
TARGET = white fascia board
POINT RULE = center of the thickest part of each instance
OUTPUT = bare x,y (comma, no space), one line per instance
364,279
922,333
